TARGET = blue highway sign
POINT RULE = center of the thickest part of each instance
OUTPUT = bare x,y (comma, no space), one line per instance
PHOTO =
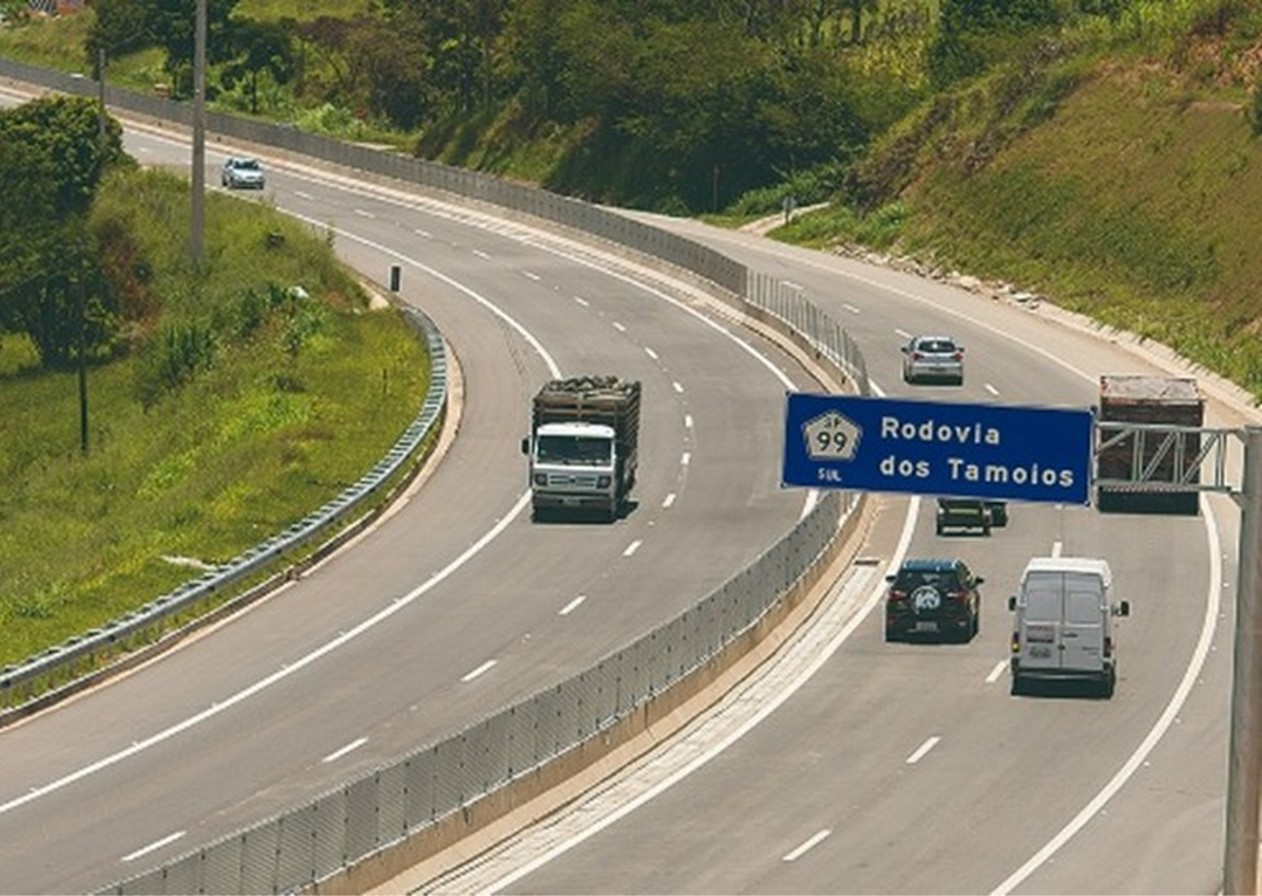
935,448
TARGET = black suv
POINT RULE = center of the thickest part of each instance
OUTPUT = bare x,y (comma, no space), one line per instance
933,597
970,514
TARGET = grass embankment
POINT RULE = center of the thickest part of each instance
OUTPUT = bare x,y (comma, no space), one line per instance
1117,186
285,403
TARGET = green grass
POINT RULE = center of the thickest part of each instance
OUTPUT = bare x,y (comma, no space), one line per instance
239,452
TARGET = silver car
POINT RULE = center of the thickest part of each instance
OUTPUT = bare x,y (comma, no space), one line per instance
933,358
242,172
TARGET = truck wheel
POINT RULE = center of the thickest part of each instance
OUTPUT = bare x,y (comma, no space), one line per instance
1018,686
1109,684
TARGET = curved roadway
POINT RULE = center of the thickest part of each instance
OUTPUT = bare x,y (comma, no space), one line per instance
456,605
908,768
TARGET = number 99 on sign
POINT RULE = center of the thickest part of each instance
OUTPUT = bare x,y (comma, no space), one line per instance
830,437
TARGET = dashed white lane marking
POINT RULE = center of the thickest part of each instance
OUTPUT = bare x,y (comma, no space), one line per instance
481,254
364,213
996,672
572,605
669,500
582,301
338,754
687,421
810,844
902,333
1057,547
482,669
851,308
792,285
992,390
155,845
676,386
619,327
923,749
530,275
633,547
686,458
301,195
422,233
652,354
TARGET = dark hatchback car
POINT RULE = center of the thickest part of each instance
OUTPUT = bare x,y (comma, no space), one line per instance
970,514
933,597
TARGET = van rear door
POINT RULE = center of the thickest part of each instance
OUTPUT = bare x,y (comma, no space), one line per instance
1040,621
1082,634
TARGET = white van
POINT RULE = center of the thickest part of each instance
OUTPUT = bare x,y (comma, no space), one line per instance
1063,624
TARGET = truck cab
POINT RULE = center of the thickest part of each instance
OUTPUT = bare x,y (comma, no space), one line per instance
574,466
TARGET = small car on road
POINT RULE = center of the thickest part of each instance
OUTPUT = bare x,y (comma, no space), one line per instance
242,172
928,358
937,597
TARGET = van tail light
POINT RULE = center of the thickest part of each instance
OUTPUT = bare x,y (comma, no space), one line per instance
959,597
917,356
958,356
1108,647
896,596
1016,642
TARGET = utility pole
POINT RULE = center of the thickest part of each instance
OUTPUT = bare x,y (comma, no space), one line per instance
81,351
100,86
199,134
1244,760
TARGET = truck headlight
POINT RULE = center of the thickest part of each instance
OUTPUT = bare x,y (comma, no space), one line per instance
603,481
541,479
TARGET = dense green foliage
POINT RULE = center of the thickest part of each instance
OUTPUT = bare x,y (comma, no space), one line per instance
242,404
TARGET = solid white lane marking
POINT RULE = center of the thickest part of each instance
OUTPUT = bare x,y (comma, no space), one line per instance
572,605
669,500
338,754
996,672
157,844
633,547
686,458
923,749
481,254
1057,547
619,327
765,709
530,275
652,354
482,669
1149,743
902,333
991,389
364,213
687,421
676,386
794,855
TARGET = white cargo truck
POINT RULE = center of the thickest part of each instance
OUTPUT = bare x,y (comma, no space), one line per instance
1063,624
583,445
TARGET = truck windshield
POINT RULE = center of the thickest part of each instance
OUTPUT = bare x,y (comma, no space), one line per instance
574,450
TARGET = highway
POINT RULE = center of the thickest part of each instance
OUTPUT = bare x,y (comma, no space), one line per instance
908,768
456,605
893,768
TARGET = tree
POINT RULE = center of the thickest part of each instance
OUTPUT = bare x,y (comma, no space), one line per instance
262,47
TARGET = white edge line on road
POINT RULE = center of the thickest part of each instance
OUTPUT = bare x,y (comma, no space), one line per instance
155,845
338,754
572,605
481,670
633,547
1167,718
996,672
668,500
791,687
923,749
807,846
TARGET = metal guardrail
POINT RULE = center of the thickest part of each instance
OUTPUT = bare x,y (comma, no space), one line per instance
71,665
440,781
